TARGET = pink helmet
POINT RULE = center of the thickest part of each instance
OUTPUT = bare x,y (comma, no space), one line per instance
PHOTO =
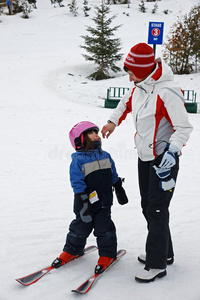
76,133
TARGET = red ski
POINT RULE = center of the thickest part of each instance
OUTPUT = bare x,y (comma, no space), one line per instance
34,277
88,284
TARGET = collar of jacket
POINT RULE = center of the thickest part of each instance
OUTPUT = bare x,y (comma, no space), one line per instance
147,85
83,152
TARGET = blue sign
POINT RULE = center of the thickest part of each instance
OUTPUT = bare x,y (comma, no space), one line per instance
155,33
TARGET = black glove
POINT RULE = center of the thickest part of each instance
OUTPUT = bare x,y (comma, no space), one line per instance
120,192
84,207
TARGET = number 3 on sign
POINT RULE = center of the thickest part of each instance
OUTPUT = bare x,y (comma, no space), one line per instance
155,32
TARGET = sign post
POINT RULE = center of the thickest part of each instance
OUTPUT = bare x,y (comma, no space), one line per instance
155,34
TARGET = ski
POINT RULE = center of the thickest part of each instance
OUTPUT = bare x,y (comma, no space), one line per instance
34,277
88,284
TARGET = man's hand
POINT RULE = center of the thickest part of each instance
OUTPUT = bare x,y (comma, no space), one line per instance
108,129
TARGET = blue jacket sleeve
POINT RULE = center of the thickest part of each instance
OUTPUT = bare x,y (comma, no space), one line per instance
114,171
77,177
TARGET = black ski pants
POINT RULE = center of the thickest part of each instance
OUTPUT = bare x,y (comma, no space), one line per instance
155,207
104,231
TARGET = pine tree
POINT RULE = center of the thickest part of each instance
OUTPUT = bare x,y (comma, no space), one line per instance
155,8
86,8
102,49
26,9
166,11
142,7
57,1
73,8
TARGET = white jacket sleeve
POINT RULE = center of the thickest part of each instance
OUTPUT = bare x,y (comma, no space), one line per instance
123,108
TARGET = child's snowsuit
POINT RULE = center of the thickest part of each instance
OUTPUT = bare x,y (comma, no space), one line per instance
93,171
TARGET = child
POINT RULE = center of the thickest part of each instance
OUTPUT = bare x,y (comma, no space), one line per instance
92,175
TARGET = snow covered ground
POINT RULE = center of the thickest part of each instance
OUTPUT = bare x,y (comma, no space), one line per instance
44,91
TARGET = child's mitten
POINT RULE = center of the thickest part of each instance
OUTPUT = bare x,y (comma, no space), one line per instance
120,192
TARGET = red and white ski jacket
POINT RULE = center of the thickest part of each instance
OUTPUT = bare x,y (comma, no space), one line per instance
159,114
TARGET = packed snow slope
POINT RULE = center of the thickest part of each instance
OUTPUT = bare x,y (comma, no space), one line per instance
44,92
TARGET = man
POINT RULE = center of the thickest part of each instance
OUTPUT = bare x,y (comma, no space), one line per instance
162,129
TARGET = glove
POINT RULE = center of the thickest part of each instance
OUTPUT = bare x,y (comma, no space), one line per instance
169,159
120,192
166,183
84,207
162,173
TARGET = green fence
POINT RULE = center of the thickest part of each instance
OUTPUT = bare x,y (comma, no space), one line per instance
190,100
115,94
